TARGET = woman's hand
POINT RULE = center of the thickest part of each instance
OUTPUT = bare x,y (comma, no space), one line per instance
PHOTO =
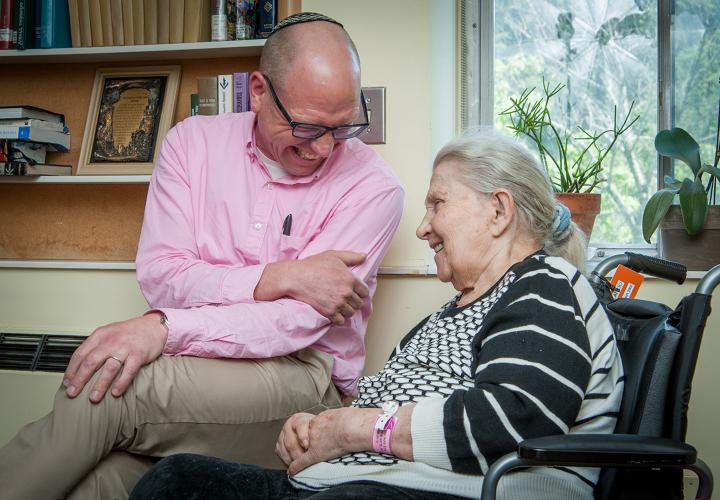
294,437
309,439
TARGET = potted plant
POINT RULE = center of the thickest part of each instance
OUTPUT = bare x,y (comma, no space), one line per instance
573,162
690,231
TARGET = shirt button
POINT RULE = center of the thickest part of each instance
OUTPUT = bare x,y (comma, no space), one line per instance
257,226
268,185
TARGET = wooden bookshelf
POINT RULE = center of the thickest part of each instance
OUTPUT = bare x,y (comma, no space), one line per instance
134,53
90,218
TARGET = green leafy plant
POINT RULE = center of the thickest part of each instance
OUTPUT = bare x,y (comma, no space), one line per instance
693,195
573,162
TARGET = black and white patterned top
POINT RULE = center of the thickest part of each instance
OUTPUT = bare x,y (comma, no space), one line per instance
534,356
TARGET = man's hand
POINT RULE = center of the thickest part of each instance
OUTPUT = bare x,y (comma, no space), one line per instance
118,348
323,281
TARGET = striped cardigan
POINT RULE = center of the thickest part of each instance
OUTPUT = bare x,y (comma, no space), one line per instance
534,356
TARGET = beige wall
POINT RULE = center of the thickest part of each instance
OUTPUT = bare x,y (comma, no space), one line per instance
394,43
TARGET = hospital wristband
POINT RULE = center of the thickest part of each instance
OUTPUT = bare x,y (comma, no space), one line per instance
383,429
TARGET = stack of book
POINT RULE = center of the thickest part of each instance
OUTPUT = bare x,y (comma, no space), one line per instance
248,19
221,94
26,135
34,24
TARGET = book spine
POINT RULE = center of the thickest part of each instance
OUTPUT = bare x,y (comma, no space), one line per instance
6,24
151,22
61,25
21,27
177,20
286,8
207,95
194,105
118,35
245,19
242,95
85,30
74,23
106,22
127,21
95,23
231,12
267,17
139,21
163,21
218,21
225,94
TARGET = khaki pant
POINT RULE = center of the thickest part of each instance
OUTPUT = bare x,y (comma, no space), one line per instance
231,409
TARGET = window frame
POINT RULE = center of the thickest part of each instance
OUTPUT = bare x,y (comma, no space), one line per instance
485,23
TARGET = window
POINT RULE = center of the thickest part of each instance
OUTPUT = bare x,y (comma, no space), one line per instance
604,52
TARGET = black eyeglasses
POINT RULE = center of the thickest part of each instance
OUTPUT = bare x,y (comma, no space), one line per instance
313,131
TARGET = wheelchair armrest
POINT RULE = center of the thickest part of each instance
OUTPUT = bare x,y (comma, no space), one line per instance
600,450
606,450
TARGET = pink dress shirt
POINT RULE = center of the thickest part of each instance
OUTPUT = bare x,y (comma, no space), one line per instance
214,218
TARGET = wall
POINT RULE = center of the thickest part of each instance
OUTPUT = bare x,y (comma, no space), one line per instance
393,39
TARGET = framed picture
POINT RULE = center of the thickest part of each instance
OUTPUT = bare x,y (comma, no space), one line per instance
131,110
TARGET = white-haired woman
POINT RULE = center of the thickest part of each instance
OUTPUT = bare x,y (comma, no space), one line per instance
523,350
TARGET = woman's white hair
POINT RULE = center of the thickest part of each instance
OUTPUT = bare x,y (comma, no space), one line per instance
491,161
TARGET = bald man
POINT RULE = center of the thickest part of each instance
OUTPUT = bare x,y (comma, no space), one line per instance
261,241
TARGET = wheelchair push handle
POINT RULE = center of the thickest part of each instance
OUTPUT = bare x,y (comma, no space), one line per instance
657,267
643,264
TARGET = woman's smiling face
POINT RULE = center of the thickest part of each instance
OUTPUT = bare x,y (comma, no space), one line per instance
457,226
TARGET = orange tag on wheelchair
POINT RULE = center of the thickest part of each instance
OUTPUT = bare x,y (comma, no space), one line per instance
626,282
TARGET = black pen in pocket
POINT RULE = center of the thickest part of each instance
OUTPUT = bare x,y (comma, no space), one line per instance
287,225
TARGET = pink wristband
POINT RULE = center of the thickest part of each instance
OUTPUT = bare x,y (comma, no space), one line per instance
383,429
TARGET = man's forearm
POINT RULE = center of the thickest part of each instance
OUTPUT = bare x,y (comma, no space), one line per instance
274,282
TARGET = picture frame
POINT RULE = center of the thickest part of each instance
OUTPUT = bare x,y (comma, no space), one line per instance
131,110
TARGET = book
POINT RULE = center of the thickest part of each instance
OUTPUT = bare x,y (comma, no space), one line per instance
138,17
118,33
177,20
74,14
241,96
267,17
151,22
218,21
106,21
85,30
286,8
24,24
19,168
231,12
96,24
197,21
225,94
207,95
27,152
17,112
194,104
244,19
163,21
127,20
32,122
6,24
57,141
55,22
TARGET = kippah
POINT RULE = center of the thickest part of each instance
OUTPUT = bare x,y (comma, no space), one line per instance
303,17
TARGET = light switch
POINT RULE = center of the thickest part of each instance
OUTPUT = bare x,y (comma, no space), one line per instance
375,101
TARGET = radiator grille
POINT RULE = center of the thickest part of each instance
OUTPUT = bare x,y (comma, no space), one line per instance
35,351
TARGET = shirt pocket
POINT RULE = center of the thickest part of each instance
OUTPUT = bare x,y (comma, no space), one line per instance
292,246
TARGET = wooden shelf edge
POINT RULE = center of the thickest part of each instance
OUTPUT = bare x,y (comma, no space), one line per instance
200,50
75,179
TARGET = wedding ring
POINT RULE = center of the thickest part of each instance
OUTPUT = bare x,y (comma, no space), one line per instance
117,359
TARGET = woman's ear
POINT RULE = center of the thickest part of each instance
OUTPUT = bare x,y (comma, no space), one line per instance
504,211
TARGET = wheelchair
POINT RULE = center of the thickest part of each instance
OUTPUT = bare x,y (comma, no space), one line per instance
659,346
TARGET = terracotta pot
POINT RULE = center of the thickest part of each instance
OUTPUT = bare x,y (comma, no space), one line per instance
584,207
699,252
